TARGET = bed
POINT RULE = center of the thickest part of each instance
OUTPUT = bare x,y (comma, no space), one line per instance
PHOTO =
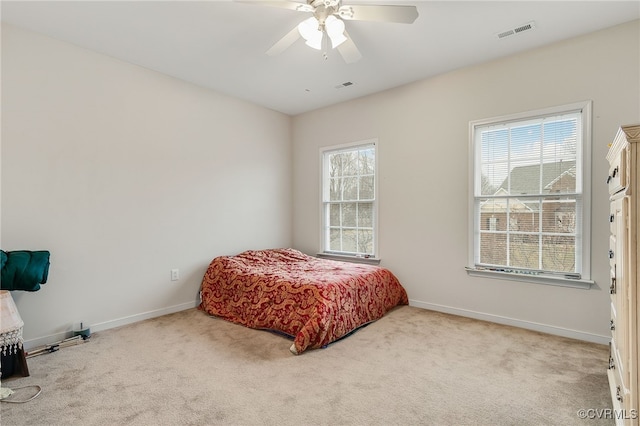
314,301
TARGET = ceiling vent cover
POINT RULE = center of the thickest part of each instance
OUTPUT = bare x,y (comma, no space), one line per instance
345,84
517,30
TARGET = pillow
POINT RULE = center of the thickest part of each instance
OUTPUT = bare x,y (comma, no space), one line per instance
24,270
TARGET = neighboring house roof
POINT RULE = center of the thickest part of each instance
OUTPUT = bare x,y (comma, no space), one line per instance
499,205
526,179
571,173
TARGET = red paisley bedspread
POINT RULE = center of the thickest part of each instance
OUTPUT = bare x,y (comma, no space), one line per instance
315,301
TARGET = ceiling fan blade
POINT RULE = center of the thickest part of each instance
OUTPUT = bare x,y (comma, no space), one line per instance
349,51
284,42
380,13
291,5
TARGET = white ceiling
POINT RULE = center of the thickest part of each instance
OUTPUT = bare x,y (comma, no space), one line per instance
221,44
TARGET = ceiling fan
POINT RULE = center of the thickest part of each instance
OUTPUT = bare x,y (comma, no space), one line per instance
327,23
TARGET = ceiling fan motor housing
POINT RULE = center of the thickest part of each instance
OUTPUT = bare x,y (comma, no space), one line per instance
327,3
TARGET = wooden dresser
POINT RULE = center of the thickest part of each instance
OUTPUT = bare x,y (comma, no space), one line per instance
624,255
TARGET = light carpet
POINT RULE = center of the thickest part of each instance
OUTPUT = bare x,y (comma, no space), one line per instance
412,367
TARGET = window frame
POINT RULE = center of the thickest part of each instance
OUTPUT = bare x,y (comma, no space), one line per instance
324,250
516,274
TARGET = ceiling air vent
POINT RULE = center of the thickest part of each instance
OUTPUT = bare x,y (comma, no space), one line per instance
517,30
345,84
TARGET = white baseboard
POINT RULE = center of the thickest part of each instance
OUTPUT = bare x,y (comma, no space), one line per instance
543,328
54,338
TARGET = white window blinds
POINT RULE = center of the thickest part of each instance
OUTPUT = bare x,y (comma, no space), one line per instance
528,194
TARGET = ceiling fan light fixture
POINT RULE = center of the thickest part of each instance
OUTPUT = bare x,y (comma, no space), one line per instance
346,12
335,30
329,20
310,31
315,43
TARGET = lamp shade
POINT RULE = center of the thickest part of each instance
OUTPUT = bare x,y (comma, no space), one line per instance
10,324
335,30
309,29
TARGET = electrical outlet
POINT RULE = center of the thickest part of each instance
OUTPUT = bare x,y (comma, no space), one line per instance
175,274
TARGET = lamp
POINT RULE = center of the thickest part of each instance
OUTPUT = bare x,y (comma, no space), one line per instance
312,30
11,344
10,325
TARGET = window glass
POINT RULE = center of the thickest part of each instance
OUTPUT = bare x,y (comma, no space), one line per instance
349,199
528,197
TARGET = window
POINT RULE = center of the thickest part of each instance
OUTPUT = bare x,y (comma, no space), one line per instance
530,195
349,200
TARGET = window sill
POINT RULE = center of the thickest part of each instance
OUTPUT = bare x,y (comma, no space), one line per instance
347,258
538,279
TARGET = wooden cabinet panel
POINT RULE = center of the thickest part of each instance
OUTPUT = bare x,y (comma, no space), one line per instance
624,222
617,173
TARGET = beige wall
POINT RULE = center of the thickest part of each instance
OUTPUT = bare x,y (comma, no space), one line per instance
423,143
124,174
